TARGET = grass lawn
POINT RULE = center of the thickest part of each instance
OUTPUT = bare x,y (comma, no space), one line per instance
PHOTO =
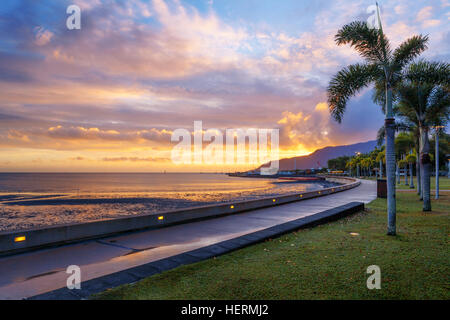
444,183
324,262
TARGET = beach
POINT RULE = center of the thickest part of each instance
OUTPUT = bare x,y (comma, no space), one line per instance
30,200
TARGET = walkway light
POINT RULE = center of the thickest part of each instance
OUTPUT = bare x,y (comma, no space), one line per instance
20,239
161,218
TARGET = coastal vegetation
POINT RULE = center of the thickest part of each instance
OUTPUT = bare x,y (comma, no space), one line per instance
382,68
422,105
406,159
417,92
406,154
338,163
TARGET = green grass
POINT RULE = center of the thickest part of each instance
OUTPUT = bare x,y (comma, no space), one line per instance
324,262
444,183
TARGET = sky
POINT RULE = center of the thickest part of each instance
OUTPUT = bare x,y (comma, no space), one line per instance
109,96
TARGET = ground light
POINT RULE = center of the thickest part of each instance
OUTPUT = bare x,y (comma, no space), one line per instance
20,239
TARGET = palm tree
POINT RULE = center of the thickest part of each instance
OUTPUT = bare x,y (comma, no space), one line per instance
425,93
404,142
402,164
411,158
351,164
381,158
406,122
365,163
348,166
382,67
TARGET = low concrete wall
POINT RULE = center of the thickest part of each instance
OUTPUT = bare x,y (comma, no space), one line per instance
24,240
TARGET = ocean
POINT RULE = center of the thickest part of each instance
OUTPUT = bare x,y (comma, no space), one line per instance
37,199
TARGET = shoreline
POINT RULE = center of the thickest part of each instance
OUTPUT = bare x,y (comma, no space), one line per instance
39,237
21,212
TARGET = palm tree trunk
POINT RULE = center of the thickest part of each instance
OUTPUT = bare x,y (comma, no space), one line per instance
426,166
421,180
418,174
390,169
406,175
411,178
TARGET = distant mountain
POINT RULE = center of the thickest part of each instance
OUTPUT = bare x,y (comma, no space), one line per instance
320,157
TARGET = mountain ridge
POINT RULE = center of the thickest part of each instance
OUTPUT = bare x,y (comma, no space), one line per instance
320,157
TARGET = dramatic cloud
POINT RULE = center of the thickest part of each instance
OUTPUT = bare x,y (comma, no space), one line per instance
70,133
137,70
136,159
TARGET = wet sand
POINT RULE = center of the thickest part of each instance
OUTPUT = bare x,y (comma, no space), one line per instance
28,210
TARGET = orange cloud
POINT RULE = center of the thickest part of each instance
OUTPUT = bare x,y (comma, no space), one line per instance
307,130
135,159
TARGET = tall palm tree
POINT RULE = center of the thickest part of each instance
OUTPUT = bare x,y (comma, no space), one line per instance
383,68
406,122
403,164
381,158
425,93
366,164
411,158
351,164
404,142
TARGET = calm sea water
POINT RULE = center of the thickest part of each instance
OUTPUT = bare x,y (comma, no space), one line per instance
36,199
125,182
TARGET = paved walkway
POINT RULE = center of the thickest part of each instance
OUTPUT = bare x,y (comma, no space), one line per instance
33,273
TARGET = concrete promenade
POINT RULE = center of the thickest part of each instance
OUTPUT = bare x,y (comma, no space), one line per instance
29,274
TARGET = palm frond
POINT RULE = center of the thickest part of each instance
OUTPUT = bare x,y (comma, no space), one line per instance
370,43
401,126
437,73
438,107
409,50
381,134
410,101
347,83
424,96
379,94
